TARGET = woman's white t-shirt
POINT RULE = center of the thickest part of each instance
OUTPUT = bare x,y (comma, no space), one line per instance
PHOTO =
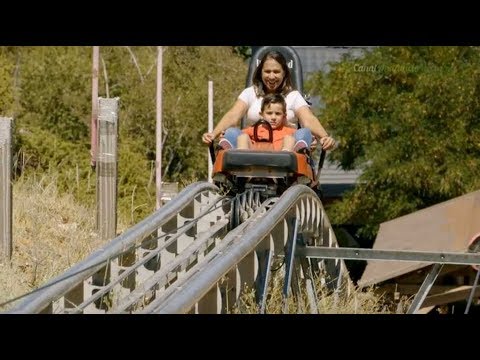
293,99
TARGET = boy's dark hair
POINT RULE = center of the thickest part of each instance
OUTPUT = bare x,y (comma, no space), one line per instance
273,99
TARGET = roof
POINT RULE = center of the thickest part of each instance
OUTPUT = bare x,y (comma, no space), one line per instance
314,58
450,226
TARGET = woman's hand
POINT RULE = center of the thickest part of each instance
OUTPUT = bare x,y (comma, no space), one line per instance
327,142
208,138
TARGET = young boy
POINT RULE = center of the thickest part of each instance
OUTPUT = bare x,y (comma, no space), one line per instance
273,110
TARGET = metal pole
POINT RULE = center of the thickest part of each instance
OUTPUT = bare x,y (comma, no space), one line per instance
5,188
424,289
107,168
210,126
158,162
472,293
93,129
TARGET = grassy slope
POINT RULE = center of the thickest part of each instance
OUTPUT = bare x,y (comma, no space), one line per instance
51,232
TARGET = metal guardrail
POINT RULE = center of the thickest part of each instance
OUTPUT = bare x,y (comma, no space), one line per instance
244,259
245,251
73,279
182,296
128,275
201,267
438,259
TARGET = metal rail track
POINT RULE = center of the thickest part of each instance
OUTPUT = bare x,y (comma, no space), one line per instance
185,258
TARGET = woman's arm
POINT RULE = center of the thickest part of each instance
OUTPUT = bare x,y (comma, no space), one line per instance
310,121
231,118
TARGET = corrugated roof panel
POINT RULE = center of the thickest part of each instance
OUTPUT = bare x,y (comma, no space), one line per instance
315,58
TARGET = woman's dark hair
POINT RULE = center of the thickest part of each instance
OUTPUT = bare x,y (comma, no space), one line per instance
286,85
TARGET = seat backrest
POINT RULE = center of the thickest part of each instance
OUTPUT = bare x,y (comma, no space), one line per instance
293,62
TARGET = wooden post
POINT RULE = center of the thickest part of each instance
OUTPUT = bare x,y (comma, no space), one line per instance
210,126
107,168
5,188
93,126
158,151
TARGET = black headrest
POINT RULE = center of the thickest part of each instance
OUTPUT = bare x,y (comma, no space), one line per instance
293,62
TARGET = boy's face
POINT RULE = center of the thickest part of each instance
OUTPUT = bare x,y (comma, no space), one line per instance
274,114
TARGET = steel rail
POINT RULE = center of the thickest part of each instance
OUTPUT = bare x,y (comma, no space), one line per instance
185,294
62,284
390,255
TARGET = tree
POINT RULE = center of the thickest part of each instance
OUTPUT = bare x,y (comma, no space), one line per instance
53,120
244,51
7,83
409,117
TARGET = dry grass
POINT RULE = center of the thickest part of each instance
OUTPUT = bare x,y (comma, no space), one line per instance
346,300
50,234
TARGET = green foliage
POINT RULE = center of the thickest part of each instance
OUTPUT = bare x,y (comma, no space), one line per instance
52,124
409,117
186,72
7,84
243,51
56,90
49,88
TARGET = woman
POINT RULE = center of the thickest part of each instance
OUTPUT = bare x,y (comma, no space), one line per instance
272,76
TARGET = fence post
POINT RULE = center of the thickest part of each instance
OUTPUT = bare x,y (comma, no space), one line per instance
5,188
210,127
107,168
